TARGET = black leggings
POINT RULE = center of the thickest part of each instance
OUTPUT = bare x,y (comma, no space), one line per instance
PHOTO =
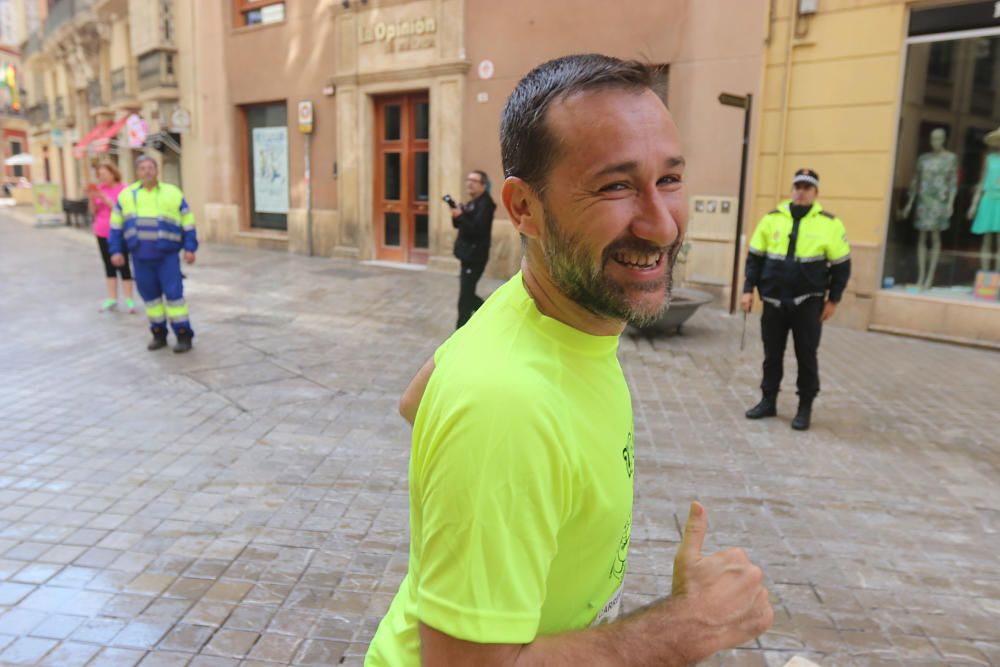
110,269
468,301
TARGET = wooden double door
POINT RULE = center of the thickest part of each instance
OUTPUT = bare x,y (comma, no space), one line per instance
402,178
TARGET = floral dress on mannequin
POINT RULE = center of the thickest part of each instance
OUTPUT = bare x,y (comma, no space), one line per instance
934,183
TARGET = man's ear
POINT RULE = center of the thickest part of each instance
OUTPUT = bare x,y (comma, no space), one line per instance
524,207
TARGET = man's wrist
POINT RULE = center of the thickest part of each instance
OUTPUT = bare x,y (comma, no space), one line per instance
682,640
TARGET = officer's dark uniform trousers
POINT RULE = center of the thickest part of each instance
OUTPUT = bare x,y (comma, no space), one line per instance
804,323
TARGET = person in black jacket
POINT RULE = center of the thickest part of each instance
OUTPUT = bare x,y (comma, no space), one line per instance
474,222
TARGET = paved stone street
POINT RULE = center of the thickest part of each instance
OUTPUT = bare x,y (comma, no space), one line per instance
246,504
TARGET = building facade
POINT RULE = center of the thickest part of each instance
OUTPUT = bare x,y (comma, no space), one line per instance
104,83
406,99
856,90
889,100
13,125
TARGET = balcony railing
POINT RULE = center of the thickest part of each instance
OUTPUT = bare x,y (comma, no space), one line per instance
62,11
38,114
120,87
8,111
95,96
33,44
156,69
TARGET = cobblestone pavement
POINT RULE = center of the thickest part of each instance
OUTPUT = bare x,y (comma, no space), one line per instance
245,504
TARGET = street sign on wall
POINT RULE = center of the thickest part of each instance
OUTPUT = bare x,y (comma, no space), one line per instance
305,117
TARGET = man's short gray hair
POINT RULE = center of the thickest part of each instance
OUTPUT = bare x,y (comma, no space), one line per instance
143,158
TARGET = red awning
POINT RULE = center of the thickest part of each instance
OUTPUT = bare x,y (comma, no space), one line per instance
102,142
80,148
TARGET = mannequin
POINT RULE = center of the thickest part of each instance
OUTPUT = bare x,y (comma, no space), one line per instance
985,208
934,185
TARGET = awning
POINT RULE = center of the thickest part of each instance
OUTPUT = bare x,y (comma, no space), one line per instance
19,159
80,148
162,140
102,142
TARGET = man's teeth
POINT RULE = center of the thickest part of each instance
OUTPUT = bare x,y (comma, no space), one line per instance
638,260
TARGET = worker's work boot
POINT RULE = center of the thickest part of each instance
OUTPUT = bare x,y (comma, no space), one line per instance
159,340
183,342
802,417
766,408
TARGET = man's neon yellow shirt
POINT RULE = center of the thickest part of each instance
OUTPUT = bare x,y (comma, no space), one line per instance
521,477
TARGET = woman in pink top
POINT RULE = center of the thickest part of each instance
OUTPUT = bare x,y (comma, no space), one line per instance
102,199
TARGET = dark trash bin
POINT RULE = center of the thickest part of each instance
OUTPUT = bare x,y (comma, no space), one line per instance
683,303
77,213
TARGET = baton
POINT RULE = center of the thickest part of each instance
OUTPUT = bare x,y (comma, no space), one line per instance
743,336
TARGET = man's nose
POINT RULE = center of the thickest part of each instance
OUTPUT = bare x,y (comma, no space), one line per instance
656,222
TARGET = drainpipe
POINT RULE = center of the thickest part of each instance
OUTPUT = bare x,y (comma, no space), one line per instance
780,175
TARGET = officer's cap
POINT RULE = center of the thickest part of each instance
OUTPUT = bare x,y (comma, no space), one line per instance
806,176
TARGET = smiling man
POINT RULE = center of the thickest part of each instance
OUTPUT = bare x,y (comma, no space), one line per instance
522,467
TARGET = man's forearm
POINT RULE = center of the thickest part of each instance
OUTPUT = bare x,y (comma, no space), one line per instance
754,265
840,274
664,634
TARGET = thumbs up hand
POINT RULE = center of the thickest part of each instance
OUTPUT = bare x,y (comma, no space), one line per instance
724,591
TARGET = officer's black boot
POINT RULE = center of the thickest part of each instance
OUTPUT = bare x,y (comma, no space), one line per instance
802,417
159,340
183,342
766,408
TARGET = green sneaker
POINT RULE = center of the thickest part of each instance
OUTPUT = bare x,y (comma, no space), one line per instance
130,304
109,304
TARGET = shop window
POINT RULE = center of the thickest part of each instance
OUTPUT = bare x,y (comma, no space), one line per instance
266,164
944,229
259,12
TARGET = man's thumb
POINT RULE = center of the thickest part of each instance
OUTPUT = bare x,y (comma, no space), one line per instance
694,533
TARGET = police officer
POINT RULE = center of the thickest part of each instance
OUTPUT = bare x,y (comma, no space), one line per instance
800,262
156,223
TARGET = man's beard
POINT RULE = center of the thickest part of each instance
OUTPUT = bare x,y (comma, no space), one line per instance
577,276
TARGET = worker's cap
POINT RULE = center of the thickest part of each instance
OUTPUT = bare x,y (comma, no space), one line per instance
142,158
806,176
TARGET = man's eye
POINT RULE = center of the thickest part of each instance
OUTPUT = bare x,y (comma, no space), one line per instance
668,180
614,187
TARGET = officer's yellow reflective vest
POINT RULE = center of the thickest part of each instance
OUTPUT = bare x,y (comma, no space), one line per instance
820,264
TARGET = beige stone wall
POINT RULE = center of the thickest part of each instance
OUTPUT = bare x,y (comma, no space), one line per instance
367,68
325,232
947,319
710,47
834,104
234,66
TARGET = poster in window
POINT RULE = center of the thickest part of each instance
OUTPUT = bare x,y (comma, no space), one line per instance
270,169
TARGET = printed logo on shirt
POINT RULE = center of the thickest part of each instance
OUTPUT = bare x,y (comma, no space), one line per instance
618,566
611,609
628,454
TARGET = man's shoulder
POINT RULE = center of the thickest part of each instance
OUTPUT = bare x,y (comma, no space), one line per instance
780,210
128,191
830,215
171,188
